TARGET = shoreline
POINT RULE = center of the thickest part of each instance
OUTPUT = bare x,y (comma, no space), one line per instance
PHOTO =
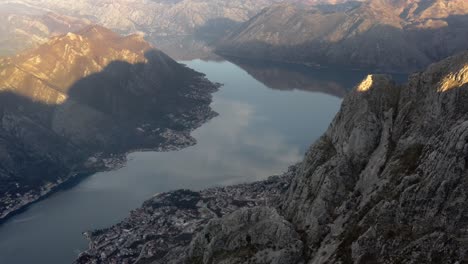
77,176
117,161
162,215
65,185
173,141
313,65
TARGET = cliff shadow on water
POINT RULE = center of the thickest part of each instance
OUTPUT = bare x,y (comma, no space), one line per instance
50,134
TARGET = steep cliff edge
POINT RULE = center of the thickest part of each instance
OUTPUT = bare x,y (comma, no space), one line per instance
385,184
81,101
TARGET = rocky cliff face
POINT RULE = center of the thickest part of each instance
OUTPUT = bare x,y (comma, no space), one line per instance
386,181
385,184
390,35
77,103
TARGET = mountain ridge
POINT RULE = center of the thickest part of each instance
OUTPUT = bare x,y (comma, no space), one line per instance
384,34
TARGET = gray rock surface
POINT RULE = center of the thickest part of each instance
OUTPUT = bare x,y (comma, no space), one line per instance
249,235
387,182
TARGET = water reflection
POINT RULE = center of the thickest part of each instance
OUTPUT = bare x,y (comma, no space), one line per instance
259,132
287,76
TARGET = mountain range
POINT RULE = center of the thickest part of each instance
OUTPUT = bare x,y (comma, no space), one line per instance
77,103
174,26
389,35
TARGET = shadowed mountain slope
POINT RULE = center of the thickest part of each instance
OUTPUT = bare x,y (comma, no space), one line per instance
77,103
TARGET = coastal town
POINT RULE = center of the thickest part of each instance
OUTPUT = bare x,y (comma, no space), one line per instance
164,226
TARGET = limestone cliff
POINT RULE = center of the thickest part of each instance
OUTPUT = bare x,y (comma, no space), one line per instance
386,183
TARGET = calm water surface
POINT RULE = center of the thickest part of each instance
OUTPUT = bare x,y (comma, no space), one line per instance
268,116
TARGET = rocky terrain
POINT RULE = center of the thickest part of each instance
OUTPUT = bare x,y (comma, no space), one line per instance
386,183
390,35
78,103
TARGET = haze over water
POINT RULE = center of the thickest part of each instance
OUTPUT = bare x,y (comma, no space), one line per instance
259,132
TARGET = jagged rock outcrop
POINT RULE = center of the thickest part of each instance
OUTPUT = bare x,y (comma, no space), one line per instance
385,184
251,235
79,102
401,35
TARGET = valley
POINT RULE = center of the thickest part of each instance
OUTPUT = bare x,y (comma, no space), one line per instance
215,131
